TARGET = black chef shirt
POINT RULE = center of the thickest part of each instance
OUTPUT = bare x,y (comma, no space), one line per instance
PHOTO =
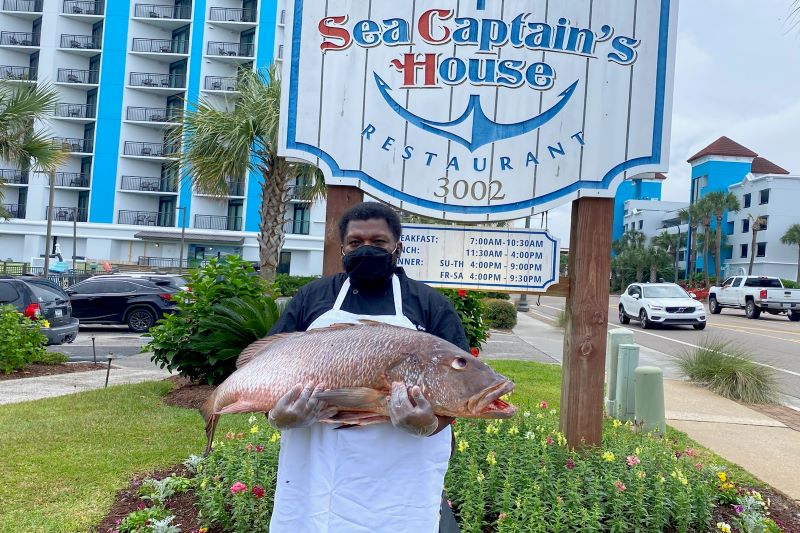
428,309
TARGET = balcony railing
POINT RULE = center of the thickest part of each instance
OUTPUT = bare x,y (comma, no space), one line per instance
14,210
83,7
146,218
232,14
72,179
300,192
152,79
297,227
155,114
150,149
217,83
148,184
75,111
19,38
83,42
161,11
28,6
71,75
161,46
81,146
220,223
14,177
230,49
10,72
68,214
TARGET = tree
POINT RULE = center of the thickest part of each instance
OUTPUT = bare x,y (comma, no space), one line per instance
705,212
691,215
224,144
758,225
656,259
670,243
792,237
719,202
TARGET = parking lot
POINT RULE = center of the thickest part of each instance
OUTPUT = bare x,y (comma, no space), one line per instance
117,340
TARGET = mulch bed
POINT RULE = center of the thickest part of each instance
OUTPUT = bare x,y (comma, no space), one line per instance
187,394
38,370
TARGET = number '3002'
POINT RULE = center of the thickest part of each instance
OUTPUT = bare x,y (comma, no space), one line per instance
479,190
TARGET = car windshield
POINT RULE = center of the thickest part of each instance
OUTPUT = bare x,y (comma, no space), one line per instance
665,291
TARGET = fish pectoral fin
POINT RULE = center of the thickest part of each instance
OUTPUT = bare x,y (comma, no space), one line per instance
240,407
354,398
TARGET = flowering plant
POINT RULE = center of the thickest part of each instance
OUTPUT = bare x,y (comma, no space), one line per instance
469,307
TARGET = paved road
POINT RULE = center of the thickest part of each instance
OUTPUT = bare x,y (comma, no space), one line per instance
772,340
115,339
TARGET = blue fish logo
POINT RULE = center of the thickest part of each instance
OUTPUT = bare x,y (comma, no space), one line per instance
484,130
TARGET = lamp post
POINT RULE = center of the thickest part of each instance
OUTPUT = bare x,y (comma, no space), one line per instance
183,238
51,178
74,237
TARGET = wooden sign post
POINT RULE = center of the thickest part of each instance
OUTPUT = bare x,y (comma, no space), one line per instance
339,199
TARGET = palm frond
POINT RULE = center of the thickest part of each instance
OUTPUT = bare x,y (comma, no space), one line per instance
20,143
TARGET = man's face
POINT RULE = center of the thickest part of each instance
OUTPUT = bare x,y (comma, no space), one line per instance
372,232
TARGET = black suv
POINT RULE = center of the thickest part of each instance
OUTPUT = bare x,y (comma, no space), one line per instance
43,301
121,300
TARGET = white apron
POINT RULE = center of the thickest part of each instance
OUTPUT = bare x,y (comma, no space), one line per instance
375,479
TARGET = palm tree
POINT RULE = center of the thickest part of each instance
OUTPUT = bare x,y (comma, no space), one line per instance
691,215
719,202
225,144
656,259
758,225
792,236
670,243
705,212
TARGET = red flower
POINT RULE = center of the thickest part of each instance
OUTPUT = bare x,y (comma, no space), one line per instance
570,464
258,492
543,405
259,448
475,351
462,293
238,487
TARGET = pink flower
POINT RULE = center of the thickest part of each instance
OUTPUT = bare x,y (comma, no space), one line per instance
259,448
698,466
620,486
501,517
229,435
240,436
258,492
249,447
550,440
690,452
238,487
632,460
462,293
570,464
543,405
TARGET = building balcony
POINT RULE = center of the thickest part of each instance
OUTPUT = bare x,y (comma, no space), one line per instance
233,18
221,84
145,184
155,115
20,74
79,77
72,180
80,113
14,177
220,223
74,145
19,40
231,52
235,187
167,84
151,150
83,45
300,193
146,218
29,9
83,8
167,50
13,210
297,227
68,214
163,16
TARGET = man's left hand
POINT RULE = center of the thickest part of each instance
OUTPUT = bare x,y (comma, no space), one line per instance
417,416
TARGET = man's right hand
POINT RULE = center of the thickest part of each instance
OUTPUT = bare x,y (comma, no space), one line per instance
300,407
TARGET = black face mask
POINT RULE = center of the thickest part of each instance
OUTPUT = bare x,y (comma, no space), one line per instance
367,265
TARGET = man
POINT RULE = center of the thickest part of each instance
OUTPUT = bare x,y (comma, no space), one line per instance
379,478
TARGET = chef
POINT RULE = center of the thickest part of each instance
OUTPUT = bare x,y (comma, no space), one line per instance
378,478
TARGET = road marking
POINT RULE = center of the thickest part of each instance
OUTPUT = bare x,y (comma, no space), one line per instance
782,332
548,317
734,328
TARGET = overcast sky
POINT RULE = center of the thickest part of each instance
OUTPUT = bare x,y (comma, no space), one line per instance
737,74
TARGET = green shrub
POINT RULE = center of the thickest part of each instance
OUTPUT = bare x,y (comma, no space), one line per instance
286,285
469,307
789,284
730,372
22,342
493,295
194,341
499,314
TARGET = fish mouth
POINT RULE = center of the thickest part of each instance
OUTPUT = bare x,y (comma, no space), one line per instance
487,403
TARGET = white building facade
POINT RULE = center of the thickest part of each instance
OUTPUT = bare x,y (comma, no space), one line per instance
652,217
124,71
775,198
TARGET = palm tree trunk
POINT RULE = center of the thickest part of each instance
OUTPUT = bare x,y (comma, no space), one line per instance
798,264
653,272
690,254
718,257
705,254
753,248
274,198
639,274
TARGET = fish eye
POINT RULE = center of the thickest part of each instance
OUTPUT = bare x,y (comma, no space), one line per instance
459,363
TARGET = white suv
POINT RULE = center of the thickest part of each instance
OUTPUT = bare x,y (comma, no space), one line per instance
660,303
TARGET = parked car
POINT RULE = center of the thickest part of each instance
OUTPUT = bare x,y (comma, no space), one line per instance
173,280
755,294
41,302
661,303
119,299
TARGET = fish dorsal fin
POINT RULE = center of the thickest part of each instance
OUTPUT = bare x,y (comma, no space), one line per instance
256,347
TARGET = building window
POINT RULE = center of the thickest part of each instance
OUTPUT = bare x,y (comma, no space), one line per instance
747,199
764,220
761,250
641,224
764,197
681,256
743,253
285,263
745,225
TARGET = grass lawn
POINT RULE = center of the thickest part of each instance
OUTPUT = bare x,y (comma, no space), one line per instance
64,458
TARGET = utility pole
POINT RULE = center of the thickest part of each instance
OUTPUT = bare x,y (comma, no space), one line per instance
74,236
51,177
522,304
183,238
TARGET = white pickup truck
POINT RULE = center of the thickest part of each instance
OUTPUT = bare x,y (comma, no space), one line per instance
755,294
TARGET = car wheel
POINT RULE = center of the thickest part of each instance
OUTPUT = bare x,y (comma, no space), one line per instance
643,319
714,306
794,316
623,318
751,310
700,327
141,320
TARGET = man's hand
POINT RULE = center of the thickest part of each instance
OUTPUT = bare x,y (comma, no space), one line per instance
299,408
418,417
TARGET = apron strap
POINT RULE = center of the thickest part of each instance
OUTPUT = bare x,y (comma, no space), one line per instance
337,306
398,298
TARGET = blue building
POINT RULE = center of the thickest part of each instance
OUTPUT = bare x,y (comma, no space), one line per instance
643,187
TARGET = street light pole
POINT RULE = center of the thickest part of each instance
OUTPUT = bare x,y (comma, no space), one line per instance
74,237
51,178
183,238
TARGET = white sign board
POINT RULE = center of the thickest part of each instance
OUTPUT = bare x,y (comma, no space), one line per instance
479,110
511,260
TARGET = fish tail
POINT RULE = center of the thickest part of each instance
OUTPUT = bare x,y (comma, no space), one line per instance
210,419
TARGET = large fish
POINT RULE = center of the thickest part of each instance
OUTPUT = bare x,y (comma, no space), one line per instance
358,363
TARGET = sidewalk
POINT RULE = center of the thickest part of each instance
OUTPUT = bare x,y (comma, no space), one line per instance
763,446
